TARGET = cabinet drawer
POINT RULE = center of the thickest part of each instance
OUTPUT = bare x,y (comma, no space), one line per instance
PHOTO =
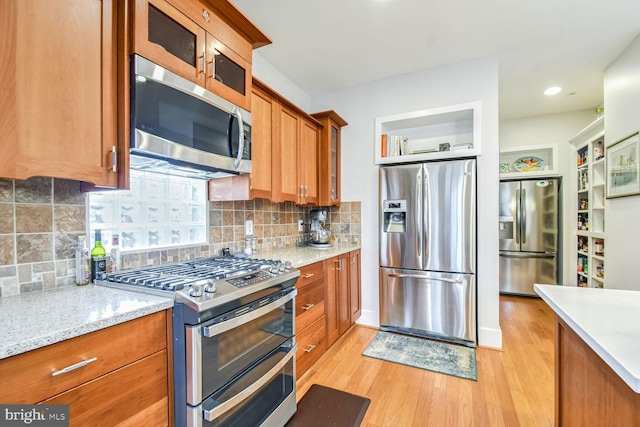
131,396
311,345
309,305
310,273
28,377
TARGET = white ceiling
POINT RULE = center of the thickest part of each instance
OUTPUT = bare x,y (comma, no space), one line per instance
324,45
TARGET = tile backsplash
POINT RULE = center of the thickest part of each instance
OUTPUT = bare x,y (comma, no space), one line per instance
41,219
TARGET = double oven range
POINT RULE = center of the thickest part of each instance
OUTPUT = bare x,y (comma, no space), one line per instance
233,337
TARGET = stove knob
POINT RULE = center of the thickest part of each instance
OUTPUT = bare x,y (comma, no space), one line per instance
274,269
287,265
195,291
210,287
281,267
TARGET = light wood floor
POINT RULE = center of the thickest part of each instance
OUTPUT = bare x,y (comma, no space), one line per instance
514,387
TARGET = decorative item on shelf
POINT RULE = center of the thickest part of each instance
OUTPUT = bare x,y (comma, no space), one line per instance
428,150
598,151
505,167
623,167
529,164
444,147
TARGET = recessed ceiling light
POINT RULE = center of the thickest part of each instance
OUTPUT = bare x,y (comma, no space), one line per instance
553,90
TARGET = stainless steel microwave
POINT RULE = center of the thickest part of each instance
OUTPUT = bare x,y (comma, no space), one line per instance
178,127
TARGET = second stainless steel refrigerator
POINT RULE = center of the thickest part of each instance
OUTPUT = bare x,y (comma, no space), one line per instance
428,250
529,234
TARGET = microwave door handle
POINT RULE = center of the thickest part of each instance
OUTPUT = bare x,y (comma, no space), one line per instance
237,160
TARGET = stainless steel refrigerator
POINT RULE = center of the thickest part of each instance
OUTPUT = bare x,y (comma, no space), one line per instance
529,234
428,250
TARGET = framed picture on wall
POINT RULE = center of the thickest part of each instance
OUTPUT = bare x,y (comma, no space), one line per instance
623,167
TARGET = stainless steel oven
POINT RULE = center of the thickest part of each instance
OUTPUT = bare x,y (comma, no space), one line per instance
233,338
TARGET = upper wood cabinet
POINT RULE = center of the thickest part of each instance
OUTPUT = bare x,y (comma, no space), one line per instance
58,77
198,42
329,157
308,163
284,154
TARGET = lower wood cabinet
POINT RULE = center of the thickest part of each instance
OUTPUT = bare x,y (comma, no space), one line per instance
126,381
327,305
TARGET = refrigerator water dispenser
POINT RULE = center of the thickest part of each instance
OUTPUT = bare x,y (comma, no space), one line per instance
394,216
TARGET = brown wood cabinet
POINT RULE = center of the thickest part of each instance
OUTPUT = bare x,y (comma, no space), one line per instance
355,286
308,163
310,317
284,154
192,39
58,71
587,391
125,382
329,157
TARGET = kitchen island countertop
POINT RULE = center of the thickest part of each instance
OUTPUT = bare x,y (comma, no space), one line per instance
607,320
34,320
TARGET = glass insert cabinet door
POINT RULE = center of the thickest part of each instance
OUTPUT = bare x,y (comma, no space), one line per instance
182,44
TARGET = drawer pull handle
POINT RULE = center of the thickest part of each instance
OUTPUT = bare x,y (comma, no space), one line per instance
306,276
308,349
74,367
308,307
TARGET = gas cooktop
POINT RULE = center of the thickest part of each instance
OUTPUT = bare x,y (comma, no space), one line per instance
204,283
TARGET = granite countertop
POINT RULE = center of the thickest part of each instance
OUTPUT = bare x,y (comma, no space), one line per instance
305,255
34,320
608,320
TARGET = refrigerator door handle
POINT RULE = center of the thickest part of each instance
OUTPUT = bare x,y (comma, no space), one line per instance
518,216
527,255
417,276
419,214
523,207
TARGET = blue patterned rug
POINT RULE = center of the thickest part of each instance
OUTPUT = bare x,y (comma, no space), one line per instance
450,359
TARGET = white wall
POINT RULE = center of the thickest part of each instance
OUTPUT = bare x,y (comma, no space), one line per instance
447,85
272,77
555,129
622,118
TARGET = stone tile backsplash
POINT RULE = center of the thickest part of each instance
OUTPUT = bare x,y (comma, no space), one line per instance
41,219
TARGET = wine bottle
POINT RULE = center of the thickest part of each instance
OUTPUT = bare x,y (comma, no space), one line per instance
98,258
83,270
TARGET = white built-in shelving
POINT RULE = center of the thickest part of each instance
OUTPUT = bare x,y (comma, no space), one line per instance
543,161
590,205
436,133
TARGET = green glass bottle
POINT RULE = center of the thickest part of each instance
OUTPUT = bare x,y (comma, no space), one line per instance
98,258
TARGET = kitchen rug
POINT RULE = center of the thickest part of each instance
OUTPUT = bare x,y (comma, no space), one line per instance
437,356
324,406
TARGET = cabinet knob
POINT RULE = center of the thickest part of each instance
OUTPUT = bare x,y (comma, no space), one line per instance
205,15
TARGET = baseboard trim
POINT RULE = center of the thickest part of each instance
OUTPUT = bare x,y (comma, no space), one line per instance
491,338
369,318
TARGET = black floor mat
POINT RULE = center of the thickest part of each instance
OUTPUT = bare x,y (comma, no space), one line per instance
327,407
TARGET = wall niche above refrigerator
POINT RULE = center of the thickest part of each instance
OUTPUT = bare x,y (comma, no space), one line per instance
437,133
529,161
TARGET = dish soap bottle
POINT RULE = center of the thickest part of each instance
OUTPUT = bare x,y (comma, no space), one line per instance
115,254
98,259
83,270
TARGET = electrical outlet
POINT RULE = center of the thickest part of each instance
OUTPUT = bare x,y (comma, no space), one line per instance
300,225
248,228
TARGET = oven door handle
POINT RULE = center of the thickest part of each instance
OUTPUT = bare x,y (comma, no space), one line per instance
221,409
213,330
